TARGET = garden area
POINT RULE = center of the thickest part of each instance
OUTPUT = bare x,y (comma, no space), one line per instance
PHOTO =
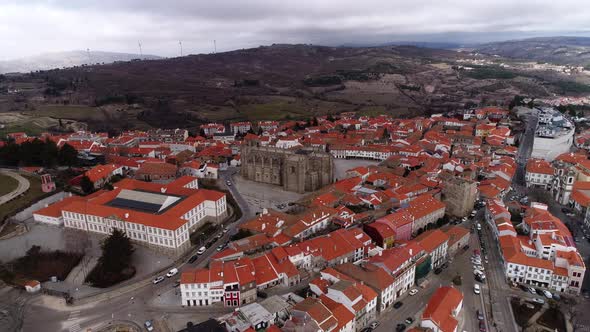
39,265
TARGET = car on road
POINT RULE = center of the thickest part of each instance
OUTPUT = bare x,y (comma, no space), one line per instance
478,226
220,247
398,304
228,182
539,300
374,325
158,280
400,327
547,294
193,259
148,325
438,270
201,251
172,273
532,290
479,314
176,284
367,329
225,230
482,326
413,292
476,289
409,320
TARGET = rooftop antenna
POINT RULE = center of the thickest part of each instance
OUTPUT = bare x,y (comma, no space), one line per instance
140,51
180,43
214,46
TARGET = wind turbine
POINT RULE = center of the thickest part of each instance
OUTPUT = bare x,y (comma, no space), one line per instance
140,51
180,43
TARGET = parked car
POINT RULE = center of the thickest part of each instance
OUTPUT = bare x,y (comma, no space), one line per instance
398,304
532,290
409,320
220,247
539,300
193,259
476,289
201,251
148,325
438,270
158,279
400,327
479,315
374,325
172,273
228,182
547,294
482,326
413,292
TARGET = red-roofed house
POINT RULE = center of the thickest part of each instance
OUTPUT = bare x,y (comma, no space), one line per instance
442,313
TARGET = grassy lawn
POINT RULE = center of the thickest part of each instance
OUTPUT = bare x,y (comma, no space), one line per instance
7,184
25,200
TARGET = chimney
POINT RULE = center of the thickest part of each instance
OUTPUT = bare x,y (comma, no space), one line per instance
410,252
265,211
162,190
381,253
263,225
126,215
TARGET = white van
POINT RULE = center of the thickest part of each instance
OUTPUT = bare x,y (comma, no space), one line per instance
201,251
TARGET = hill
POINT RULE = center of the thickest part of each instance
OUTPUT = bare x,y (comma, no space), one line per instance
66,59
272,82
559,50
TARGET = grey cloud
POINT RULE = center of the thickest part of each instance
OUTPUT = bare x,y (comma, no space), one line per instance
36,26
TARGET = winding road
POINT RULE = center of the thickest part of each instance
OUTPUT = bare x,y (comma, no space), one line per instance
23,185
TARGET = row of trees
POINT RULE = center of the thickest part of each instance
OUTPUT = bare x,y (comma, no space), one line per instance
38,153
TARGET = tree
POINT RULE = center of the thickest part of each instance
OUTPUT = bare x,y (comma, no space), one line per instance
86,184
68,156
49,154
330,118
116,252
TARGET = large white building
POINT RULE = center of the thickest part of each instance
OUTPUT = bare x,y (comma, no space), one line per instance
554,135
157,215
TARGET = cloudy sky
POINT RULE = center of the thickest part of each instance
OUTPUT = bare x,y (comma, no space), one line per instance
29,27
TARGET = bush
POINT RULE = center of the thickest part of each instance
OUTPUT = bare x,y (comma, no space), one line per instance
40,265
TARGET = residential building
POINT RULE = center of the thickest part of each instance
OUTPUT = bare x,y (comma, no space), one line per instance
435,243
443,311
539,173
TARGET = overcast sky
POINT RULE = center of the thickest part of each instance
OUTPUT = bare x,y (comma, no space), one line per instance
29,27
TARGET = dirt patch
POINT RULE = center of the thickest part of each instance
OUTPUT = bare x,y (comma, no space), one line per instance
523,311
553,319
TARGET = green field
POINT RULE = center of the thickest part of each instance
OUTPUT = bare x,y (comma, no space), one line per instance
32,195
7,184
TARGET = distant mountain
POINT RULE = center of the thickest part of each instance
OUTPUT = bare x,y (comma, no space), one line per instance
424,44
560,50
67,59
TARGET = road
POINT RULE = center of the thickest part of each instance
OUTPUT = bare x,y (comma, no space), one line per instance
525,147
23,185
415,305
51,314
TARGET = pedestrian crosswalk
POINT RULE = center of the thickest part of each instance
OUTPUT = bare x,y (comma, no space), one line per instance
74,321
